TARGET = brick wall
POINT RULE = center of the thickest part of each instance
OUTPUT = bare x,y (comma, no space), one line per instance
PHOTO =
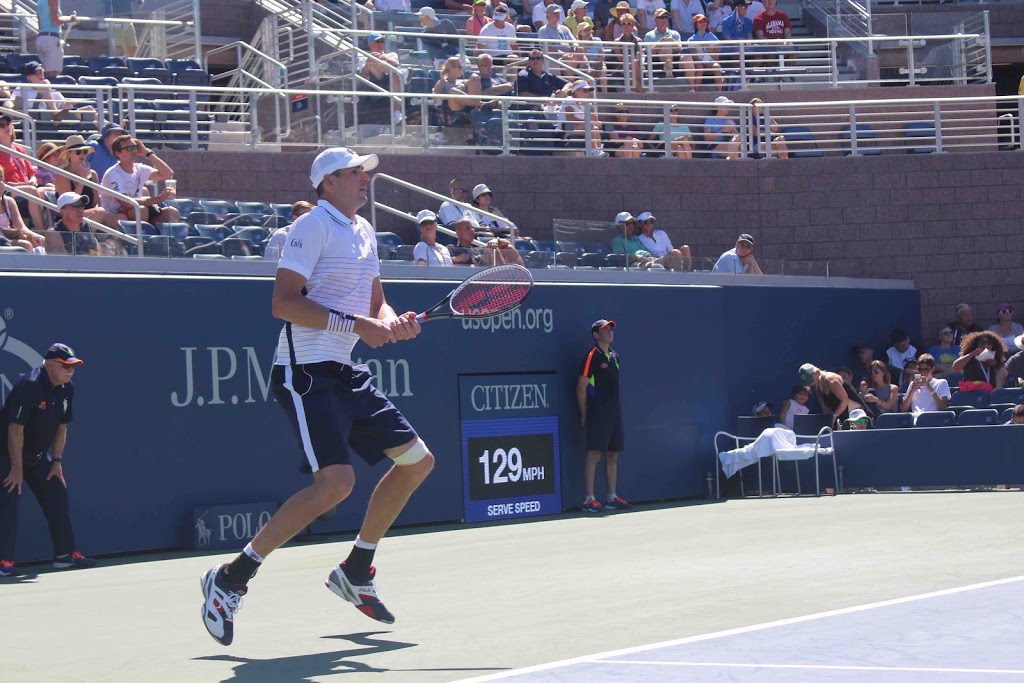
951,222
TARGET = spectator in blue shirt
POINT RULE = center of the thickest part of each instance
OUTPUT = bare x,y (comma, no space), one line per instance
705,57
720,132
739,259
738,26
102,156
666,53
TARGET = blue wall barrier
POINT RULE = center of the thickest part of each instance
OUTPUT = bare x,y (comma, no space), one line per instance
173,410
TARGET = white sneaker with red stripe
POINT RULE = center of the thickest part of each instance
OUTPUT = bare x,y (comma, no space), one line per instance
363,596
221,601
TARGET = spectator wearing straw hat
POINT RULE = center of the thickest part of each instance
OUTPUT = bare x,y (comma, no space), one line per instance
705,56
666,54
740,259
578,17
73,158
657,242
614,28
48,152
427,251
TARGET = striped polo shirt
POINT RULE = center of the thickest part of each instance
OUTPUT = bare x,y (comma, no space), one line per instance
338,258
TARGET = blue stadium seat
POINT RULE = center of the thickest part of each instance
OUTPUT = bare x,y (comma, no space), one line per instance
920,130
545,245
138,64
283,211
128,228
1013,395
160,246
214,232
564,245
196,77
17,61
97,81
938,418
984,416
75,71
75,60
183,205
99,63
810,425
616,260
1006,416
751,427
591,260
177,66
220,208
200,218
118,72
388,238
253,235
864,137
64,79
235,246
801,142
894,421
253,208
602,248
161,74
402,252
974,399
178,231
536,259
525,245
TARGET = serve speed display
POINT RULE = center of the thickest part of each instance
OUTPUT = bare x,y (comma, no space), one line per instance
510,453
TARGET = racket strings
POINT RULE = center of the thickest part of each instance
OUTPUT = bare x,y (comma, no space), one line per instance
489,297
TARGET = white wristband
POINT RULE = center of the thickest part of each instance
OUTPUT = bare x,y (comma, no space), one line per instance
340,322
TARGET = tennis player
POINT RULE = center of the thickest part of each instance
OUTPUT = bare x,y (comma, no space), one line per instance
329,294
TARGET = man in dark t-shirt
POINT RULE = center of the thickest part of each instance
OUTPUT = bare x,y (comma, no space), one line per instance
597,394
534,81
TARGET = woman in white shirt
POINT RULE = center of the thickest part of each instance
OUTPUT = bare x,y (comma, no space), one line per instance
660,246
1006,329
427,251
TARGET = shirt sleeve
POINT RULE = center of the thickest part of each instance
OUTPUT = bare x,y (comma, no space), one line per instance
19,408
303,247
144,171
587,364
942,388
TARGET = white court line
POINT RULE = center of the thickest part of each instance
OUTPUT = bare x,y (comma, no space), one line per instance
602,656
830,667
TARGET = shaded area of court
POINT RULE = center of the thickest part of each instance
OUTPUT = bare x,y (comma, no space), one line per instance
488,600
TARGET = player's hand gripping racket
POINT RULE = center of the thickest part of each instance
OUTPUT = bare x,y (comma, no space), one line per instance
486,293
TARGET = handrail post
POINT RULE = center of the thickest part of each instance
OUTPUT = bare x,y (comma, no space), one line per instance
743,65
937,124
506,143
666,117
588,131
197,28
833,58
649,67
627,70
911,68
988,48
766,118
193,119
853,130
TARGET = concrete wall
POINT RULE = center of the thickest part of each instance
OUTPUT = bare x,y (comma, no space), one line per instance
950,222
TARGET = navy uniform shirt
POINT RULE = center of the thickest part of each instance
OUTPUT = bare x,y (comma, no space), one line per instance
544,85
602,373
40,407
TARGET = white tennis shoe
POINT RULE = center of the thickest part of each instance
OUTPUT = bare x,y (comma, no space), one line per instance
363,596
221,602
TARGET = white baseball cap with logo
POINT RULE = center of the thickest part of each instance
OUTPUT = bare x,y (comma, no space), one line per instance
337,159
72,199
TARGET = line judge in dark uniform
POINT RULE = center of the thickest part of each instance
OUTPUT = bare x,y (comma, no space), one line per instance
597,393
33,432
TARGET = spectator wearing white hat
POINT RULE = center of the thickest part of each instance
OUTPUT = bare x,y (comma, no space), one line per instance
498,38
483,199
740,259
439,49
427,251
720,132
858,420
572,114
626,241
72,229
660,246
578,18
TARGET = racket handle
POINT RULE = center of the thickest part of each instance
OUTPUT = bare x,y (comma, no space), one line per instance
421,318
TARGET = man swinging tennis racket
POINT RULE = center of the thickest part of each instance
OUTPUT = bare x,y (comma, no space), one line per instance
329,294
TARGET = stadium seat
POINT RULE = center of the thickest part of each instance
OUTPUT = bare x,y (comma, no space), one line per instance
161,74
801,142
195,77
749,427
220,208
128,228
64,79
566,259
75,60
214,231
894,421
284,212
1000,407
253,208
178,231
402,252
235,246
97,64
176,66
253,235
13,250
810,425
117,72
75,71
138,64
200,218
525,245
974,399
563,245
920,130
1013,395
159,246
17,61
616,260
938,418
183,205
545,245
865,136
536,259
602,248
591,260
388,238
984,416
1006,416
98,81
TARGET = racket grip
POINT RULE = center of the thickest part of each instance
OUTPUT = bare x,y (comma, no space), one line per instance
421,318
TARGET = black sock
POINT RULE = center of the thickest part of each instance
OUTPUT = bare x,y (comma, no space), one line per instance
357,566
240,570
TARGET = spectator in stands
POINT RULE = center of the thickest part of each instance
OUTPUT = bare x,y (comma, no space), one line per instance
539,16
130,178
275,245
535,81
578,18
908,373
438,49
944,352
1017,416
76,236
573,117
858,420
756,7
738,26
554,29
646,9
864,355
614,29
900,350
631,57
21,174
795,405
964,323
1015,366
482,199
427,251
881,394
498,38
102,156
126,39
12,227
379,67
626,241
705,57
478,19
594,54
48,41
6,96
718,12
464,252
490,82
925,392
455,109
622,138
1005,328
834,395
846,373
657,242
682,148
720,131
450,212
762,127
603,17
48,152
739,259
762,409
683,12
42,102
73,159
982,359
677,132
772,24
666,54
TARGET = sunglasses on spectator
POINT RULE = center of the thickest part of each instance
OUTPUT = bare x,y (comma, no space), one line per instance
460,190
1005,310
128,148
860,421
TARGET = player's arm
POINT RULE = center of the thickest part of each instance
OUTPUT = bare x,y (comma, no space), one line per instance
581,397
291,305
403,326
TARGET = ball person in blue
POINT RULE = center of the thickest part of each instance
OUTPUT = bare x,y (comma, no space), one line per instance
33,433
597,393
329,294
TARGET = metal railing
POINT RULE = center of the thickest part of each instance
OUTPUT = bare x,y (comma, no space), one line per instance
28,126
843,18
152,41
254,69
14,30
181,39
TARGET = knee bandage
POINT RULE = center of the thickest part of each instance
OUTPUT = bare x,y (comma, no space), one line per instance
413,455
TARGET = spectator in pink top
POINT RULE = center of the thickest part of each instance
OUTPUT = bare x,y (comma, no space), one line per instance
478,19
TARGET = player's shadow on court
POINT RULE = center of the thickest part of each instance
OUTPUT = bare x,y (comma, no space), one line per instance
307,667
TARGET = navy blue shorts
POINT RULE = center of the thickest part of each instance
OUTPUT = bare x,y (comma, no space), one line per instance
335,410
604,430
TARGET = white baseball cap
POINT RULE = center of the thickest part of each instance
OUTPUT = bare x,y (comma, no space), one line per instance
336,159
581,85
500,14
722,99
481,189
424,216
646,216
578,4
623,216
427,12
71,198
857,414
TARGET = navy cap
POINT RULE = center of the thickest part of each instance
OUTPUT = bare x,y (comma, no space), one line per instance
31,68
63,353
601,324
745,237
108,127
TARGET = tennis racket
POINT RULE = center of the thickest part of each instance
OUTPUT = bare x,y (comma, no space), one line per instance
486,293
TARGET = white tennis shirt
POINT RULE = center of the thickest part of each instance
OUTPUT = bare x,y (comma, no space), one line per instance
338,258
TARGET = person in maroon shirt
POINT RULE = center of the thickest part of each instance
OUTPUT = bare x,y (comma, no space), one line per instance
772,24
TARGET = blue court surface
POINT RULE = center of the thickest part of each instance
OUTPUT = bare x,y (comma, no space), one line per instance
971,633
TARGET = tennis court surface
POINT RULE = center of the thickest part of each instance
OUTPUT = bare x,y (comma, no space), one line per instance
901,587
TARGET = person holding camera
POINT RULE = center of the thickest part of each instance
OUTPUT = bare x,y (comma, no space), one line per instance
925,392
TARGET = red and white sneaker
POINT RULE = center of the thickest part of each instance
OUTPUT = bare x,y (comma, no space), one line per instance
618,503
221,600
363,596
7,569
592,505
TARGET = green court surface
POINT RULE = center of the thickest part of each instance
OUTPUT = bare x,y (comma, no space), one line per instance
478,601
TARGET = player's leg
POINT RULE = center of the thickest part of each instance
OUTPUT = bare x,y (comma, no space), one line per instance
611,466
597,434
590,504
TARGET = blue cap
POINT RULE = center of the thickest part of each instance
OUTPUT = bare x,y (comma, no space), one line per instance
374,37
63,353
